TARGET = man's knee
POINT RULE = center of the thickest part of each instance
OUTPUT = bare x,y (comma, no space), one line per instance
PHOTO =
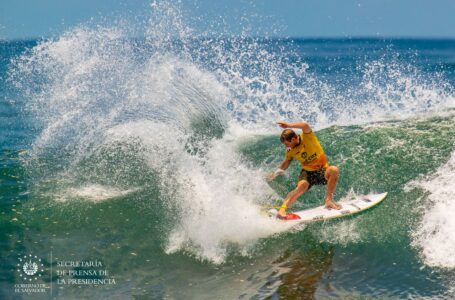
302,186
332,171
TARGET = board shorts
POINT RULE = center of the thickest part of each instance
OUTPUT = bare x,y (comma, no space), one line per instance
313,177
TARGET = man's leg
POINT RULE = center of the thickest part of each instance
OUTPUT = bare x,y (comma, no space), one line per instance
331,175
302,187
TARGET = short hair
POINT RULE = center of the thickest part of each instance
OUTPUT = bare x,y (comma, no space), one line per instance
287,135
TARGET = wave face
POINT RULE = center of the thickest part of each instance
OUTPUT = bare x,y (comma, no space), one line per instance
157,147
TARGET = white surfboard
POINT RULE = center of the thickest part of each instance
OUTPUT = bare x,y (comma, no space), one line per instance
349,207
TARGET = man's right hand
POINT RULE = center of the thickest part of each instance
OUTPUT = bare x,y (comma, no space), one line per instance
270,177
275,174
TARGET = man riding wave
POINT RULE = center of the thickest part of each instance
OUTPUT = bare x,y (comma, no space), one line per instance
306,149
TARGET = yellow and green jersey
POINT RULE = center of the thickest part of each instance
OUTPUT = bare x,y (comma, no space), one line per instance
309,153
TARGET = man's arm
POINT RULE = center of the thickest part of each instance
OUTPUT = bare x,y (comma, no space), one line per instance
300,125
282,167
285,164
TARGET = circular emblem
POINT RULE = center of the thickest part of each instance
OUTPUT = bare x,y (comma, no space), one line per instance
30,267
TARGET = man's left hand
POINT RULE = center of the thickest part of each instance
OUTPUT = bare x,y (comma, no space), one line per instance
283,124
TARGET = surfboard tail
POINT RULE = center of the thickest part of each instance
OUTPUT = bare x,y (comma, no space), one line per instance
289,217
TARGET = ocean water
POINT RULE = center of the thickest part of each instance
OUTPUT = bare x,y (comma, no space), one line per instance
146,158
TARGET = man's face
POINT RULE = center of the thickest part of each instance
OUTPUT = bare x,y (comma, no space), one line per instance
292,143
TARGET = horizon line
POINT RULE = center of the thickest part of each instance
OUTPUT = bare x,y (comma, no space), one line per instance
356,37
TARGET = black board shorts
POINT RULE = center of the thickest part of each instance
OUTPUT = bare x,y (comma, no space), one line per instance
313,177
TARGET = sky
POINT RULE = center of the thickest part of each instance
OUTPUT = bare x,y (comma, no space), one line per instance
24,19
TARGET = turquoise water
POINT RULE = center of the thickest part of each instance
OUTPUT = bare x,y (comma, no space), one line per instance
148,156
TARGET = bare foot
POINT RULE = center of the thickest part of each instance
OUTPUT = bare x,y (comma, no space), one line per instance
331,204
281,214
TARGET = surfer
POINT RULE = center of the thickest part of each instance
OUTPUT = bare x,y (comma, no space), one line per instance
315,168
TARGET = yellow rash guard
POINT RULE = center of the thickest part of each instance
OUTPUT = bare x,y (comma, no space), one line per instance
309,153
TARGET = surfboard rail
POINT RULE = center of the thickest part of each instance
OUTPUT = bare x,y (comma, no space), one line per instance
353,206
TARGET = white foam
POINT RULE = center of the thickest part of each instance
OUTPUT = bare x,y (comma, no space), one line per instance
93,192
434,236
221,197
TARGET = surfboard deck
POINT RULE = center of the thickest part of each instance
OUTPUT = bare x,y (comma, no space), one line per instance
320,213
